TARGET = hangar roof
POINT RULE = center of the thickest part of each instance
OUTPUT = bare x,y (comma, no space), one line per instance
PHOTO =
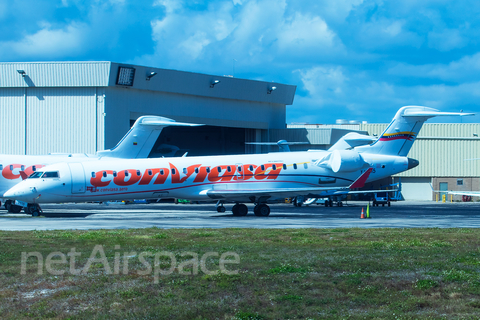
112,74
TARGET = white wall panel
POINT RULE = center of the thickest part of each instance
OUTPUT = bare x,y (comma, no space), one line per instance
12,115
416,188
61,120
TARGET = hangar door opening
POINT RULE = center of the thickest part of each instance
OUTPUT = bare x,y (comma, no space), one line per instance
199,141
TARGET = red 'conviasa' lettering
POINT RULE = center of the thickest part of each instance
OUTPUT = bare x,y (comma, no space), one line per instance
248,171
214,175
120,179
176,176
7,172
150,173
272,174
97,180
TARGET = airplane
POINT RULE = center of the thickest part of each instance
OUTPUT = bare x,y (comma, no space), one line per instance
137,143
239,179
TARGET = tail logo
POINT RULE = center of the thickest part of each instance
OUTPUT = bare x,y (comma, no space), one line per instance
405,135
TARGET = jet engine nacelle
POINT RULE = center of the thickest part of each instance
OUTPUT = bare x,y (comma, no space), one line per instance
346,161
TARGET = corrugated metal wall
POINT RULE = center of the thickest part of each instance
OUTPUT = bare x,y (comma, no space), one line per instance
12,115
442,150
61,120
55,74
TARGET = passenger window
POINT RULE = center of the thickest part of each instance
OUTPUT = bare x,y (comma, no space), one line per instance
305,165
251,168
274,167
208,169
138,173
93,174
185,170
263,167
284,166
114,174
104,174
229,169
162,172
149,172
295,166
196,170
126,173
1,167
239,169
174,171
22,167
11,167
219,169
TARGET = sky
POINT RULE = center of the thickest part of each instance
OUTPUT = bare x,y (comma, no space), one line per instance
350,59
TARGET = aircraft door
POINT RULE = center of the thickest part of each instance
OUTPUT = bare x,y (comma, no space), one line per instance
77,174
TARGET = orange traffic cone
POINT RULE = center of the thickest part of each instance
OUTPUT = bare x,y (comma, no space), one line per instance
362,216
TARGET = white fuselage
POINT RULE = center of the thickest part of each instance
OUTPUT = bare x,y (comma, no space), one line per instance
192,178
11,165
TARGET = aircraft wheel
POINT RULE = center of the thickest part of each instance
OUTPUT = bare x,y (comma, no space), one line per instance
35,213
340,204
262,210
389,203
326,203
383,204
242,210
221,209
8,203
330,203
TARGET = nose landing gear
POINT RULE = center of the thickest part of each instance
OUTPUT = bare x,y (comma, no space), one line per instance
34,209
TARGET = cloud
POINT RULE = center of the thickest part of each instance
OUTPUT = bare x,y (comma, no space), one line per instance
466,69
47,43
446,40
361,58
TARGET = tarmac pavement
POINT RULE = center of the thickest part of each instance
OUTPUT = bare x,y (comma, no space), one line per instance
168,215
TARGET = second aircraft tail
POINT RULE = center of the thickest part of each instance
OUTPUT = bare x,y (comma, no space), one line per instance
400,134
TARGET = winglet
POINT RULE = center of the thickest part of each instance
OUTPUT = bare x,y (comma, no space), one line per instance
23,175
360,182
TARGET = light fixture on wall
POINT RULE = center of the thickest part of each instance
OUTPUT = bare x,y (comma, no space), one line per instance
22,72
269,91
150,75
213,83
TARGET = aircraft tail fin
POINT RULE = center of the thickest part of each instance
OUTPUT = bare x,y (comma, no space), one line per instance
140,139
400,134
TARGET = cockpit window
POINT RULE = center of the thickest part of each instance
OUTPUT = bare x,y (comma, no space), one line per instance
36,175
50,174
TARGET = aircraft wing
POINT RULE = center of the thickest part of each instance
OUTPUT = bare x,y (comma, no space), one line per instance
283,192
464,193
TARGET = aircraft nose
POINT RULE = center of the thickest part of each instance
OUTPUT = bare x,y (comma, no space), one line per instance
412,163
19,192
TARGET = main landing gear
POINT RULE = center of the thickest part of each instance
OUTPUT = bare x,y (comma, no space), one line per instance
241,210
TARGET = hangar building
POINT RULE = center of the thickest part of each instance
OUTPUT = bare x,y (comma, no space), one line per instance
443,150
88,106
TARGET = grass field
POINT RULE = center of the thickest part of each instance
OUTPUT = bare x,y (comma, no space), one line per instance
281,274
